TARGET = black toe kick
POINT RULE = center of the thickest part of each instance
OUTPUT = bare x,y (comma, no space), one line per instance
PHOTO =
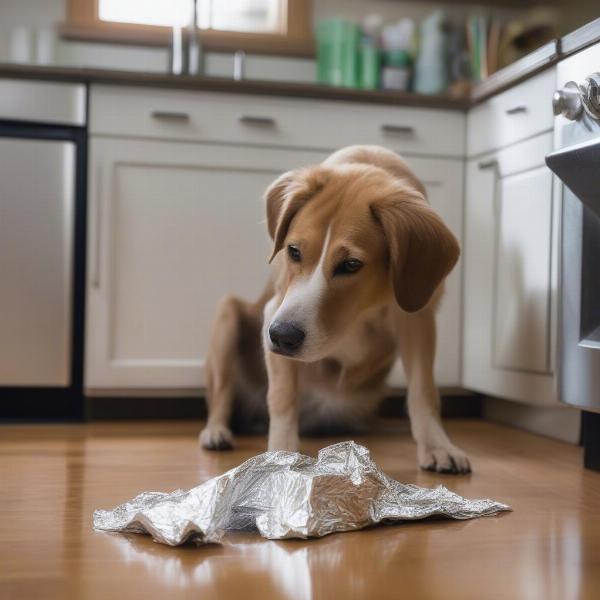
590,440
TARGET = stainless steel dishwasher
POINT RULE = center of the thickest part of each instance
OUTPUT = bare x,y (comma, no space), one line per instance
42,246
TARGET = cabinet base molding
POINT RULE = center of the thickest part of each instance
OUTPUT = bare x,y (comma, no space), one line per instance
557,422
145,407
192,405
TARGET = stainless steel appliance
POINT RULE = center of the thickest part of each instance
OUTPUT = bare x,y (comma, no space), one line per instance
42,228
576,161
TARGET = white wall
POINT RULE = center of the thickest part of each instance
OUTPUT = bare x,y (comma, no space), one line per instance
392,10
36,14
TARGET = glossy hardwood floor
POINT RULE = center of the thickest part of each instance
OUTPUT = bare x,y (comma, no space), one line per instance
53,477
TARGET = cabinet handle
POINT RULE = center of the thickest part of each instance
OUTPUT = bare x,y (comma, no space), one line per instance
163,115
259,121
402,129
488,164
97,230
515,110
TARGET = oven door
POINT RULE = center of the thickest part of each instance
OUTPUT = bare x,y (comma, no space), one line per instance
577,164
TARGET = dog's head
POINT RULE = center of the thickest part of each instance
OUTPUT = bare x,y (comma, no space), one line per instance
354,237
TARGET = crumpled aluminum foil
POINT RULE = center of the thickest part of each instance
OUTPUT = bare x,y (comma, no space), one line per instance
288,495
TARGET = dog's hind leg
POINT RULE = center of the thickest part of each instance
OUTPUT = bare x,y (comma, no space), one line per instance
235,368
220,375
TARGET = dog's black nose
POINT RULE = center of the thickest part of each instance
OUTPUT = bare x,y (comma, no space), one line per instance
286,336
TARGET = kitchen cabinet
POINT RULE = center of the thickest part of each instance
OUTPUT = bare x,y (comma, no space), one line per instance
517,114
176,217
173,227
509,266
270,121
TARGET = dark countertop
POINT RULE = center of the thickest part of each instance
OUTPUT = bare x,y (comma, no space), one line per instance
522,69
222,84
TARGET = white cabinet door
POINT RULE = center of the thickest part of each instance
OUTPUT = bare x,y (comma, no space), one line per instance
443,180
173,227
522,279
508,261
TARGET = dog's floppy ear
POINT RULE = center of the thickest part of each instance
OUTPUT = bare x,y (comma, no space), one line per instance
286,196
422,249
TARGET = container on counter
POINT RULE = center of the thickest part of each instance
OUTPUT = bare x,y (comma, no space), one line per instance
397,39
370,65
21,45
370,52
397,70
431,75
338,53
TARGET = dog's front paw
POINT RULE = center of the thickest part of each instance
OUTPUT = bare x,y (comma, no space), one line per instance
216,437
443,459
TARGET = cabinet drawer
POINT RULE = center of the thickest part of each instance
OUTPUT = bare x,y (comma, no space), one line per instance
272,121
514,115
43,102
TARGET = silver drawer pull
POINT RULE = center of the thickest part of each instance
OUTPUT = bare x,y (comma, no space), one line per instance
401,129
163,115
260,121
488,164
515,110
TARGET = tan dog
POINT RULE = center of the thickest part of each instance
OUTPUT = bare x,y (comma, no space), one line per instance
360,259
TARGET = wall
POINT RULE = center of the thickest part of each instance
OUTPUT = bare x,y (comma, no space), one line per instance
44,13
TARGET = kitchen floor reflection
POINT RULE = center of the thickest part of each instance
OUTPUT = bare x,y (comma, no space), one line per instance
341,565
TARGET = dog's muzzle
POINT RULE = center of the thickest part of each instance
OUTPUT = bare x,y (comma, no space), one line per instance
287,337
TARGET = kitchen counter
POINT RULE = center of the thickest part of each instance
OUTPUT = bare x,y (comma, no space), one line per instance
520,70
580,38
537,61
530,65
222,84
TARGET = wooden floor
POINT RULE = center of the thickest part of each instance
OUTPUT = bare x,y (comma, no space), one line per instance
53,477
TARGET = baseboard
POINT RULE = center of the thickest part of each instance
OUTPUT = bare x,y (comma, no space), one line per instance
590,439
128,408
148,408
561,422
463,405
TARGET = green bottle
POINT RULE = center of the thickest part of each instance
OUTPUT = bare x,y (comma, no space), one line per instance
337,53
370,64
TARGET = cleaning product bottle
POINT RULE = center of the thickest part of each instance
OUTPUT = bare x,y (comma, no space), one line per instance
431,75
369,53
397,41
337,52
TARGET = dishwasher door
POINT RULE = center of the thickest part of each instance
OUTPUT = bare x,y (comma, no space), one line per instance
37,203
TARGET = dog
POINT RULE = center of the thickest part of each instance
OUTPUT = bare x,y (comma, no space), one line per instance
359,262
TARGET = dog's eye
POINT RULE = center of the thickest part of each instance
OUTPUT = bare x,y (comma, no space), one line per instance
294,253
347,267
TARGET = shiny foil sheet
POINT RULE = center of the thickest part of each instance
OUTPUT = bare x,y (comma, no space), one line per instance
288,495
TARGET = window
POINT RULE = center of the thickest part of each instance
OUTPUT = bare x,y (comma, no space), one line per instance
259,26
258,16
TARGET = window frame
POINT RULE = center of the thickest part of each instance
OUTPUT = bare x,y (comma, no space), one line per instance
83,24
